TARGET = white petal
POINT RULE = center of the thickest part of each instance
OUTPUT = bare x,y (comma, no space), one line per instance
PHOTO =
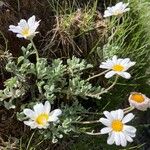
127,9
31,124
38,108
131,64
111,138
128,118
128,138
119,4
131,134
119,60
104,66
107,65
114,59
56,112
105,130
108,115
107,13
23,24
130,129
20,36
125,61
33,24
114,114
120,114
123,140
53,119
117,139
12,27
15,29
109,74
28,123
125,75
31,21
29,113
47,107
105,121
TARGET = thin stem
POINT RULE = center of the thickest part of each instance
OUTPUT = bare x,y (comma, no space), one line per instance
87,122
97,75
128,110
36,51
91,113
91,133
125,109
106,90
6,41
30,141
110,87
135,147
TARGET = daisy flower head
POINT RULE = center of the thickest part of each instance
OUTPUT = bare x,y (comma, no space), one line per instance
116,10
117,66
139,101
119,133
40,116
25,29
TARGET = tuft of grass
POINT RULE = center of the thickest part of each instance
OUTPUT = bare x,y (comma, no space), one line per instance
76,31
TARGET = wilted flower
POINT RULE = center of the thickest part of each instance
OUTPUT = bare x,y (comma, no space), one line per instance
25,29
119,132
139,101
40,116
116,10
117,66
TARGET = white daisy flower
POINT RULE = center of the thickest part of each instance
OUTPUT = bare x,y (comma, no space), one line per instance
119,133
139,101
25,29
117,66
116,10
40,116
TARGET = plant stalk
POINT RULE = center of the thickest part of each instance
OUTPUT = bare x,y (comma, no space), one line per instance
36,51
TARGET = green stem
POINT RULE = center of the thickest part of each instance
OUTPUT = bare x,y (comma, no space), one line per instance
29,142
129,109
106,90
36,51
87,122
6,41
110,87
97,75
91,133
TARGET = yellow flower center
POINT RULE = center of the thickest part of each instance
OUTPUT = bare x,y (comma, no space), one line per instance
118,68
42,119
117,125
137,97
117,12
25,31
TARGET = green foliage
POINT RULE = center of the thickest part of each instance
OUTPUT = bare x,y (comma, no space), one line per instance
65,126
77,66
56,82
51,80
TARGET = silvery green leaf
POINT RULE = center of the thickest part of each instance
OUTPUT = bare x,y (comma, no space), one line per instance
77,65
20,59
9,105
29,46
54,140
